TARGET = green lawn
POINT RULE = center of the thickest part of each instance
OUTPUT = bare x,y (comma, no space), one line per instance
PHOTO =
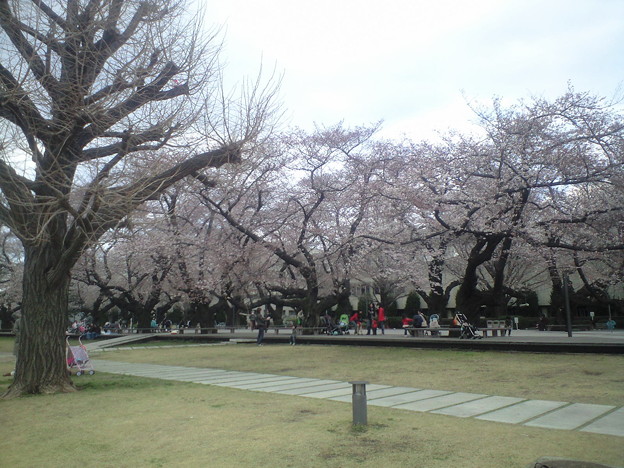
119,421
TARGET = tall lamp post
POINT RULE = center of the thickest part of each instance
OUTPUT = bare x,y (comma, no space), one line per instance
233,309
566,300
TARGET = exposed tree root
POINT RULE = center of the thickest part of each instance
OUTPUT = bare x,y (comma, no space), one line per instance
16,390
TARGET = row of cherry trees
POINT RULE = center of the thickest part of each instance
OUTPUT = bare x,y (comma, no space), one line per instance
490,217
128,169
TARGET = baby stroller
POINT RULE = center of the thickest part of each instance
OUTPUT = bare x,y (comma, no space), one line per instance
331,328
467,330
337,328
77,357
343,324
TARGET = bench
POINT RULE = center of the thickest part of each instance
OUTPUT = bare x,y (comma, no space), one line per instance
493,331
423,331
453,332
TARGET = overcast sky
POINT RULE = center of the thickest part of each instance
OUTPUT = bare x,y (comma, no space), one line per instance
414,63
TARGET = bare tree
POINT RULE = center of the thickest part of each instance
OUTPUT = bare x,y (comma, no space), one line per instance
94,96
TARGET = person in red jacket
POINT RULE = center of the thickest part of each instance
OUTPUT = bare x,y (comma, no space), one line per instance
381,319
406,322
356,321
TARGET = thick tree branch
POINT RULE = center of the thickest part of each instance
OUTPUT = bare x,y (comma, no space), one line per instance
17,107
13,29
117,203
150,93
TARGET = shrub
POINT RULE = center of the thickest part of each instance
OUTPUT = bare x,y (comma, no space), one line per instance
412,304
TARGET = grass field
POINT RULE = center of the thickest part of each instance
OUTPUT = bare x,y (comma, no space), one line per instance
120,421
580,378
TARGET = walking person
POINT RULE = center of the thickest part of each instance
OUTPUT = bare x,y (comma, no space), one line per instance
293,334
508,326
261,326
381,319
300,319
356,322
253,317
370,318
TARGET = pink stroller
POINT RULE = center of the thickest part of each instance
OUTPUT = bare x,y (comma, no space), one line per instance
77,357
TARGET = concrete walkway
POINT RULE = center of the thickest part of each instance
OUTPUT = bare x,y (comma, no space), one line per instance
600,419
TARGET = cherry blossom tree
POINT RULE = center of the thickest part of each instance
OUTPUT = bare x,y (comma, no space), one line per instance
541,174
11,265
128,272
520,179
214,265
306,215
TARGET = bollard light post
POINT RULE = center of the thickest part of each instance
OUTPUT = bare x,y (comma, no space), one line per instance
358,398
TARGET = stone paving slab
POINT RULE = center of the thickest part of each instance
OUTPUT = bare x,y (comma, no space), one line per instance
190,377
440,401
184,375
233,377
273,385
217,380
261,379
348,397
570,417
473,408
152,373
266,381
300,384
415,394
344,391
173,370
168,376
255,378
226,376
522,411
148,369
373,391
611,424
185,372
180,374
317,388
375,394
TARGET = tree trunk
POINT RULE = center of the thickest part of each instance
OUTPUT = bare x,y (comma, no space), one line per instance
41,365
469,298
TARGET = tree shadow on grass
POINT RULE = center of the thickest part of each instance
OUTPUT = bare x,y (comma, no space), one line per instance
104,382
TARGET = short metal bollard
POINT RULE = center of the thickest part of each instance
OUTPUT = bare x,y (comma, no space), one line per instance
359,402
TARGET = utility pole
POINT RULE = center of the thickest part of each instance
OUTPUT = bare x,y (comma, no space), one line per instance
566,299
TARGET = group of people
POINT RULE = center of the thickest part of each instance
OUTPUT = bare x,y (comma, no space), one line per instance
419,320
90,329
373,319
259,321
